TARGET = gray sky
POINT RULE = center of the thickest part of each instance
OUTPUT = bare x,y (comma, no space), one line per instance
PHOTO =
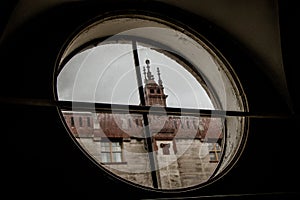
106,74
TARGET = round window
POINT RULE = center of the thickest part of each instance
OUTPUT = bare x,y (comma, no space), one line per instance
151,102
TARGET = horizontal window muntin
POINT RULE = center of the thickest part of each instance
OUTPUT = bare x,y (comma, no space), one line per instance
138,109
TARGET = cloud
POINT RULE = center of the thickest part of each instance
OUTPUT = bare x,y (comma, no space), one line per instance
106,74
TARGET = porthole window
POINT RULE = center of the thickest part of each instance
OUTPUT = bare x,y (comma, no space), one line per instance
151,102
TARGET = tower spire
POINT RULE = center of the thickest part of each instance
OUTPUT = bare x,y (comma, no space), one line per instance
153,91
159,78
144,72
149,75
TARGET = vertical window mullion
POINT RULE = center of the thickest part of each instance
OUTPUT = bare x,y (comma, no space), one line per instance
148,137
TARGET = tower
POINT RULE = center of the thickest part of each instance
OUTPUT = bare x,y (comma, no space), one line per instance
153,92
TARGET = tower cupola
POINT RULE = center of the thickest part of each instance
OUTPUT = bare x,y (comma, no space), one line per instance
153,91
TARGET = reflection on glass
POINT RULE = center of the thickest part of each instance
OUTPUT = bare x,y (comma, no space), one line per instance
104,74
152,149
183,149
112,79
186,149
161,151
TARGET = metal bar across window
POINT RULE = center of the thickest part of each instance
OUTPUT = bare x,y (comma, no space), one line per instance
138,109
148,136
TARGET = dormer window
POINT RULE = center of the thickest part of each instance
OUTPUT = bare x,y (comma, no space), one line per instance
166,148
72,122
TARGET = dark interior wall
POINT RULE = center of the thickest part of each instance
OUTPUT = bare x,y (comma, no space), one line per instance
39,159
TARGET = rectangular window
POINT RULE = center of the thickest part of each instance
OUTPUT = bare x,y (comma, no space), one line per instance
129,123
195,124
111,152
181,124
175,124
188,124
214,152
72,121
80,121
88,122
165,148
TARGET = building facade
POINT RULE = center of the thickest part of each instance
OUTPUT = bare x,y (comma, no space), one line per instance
186,149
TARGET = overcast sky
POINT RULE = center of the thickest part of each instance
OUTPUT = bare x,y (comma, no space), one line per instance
106,74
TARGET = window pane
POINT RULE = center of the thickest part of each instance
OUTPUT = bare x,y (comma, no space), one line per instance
167,72
183,153
117,157
111,76
213,156
116,147
105,157
105,147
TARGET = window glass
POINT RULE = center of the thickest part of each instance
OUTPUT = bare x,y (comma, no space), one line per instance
151,108
114,80
104,74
